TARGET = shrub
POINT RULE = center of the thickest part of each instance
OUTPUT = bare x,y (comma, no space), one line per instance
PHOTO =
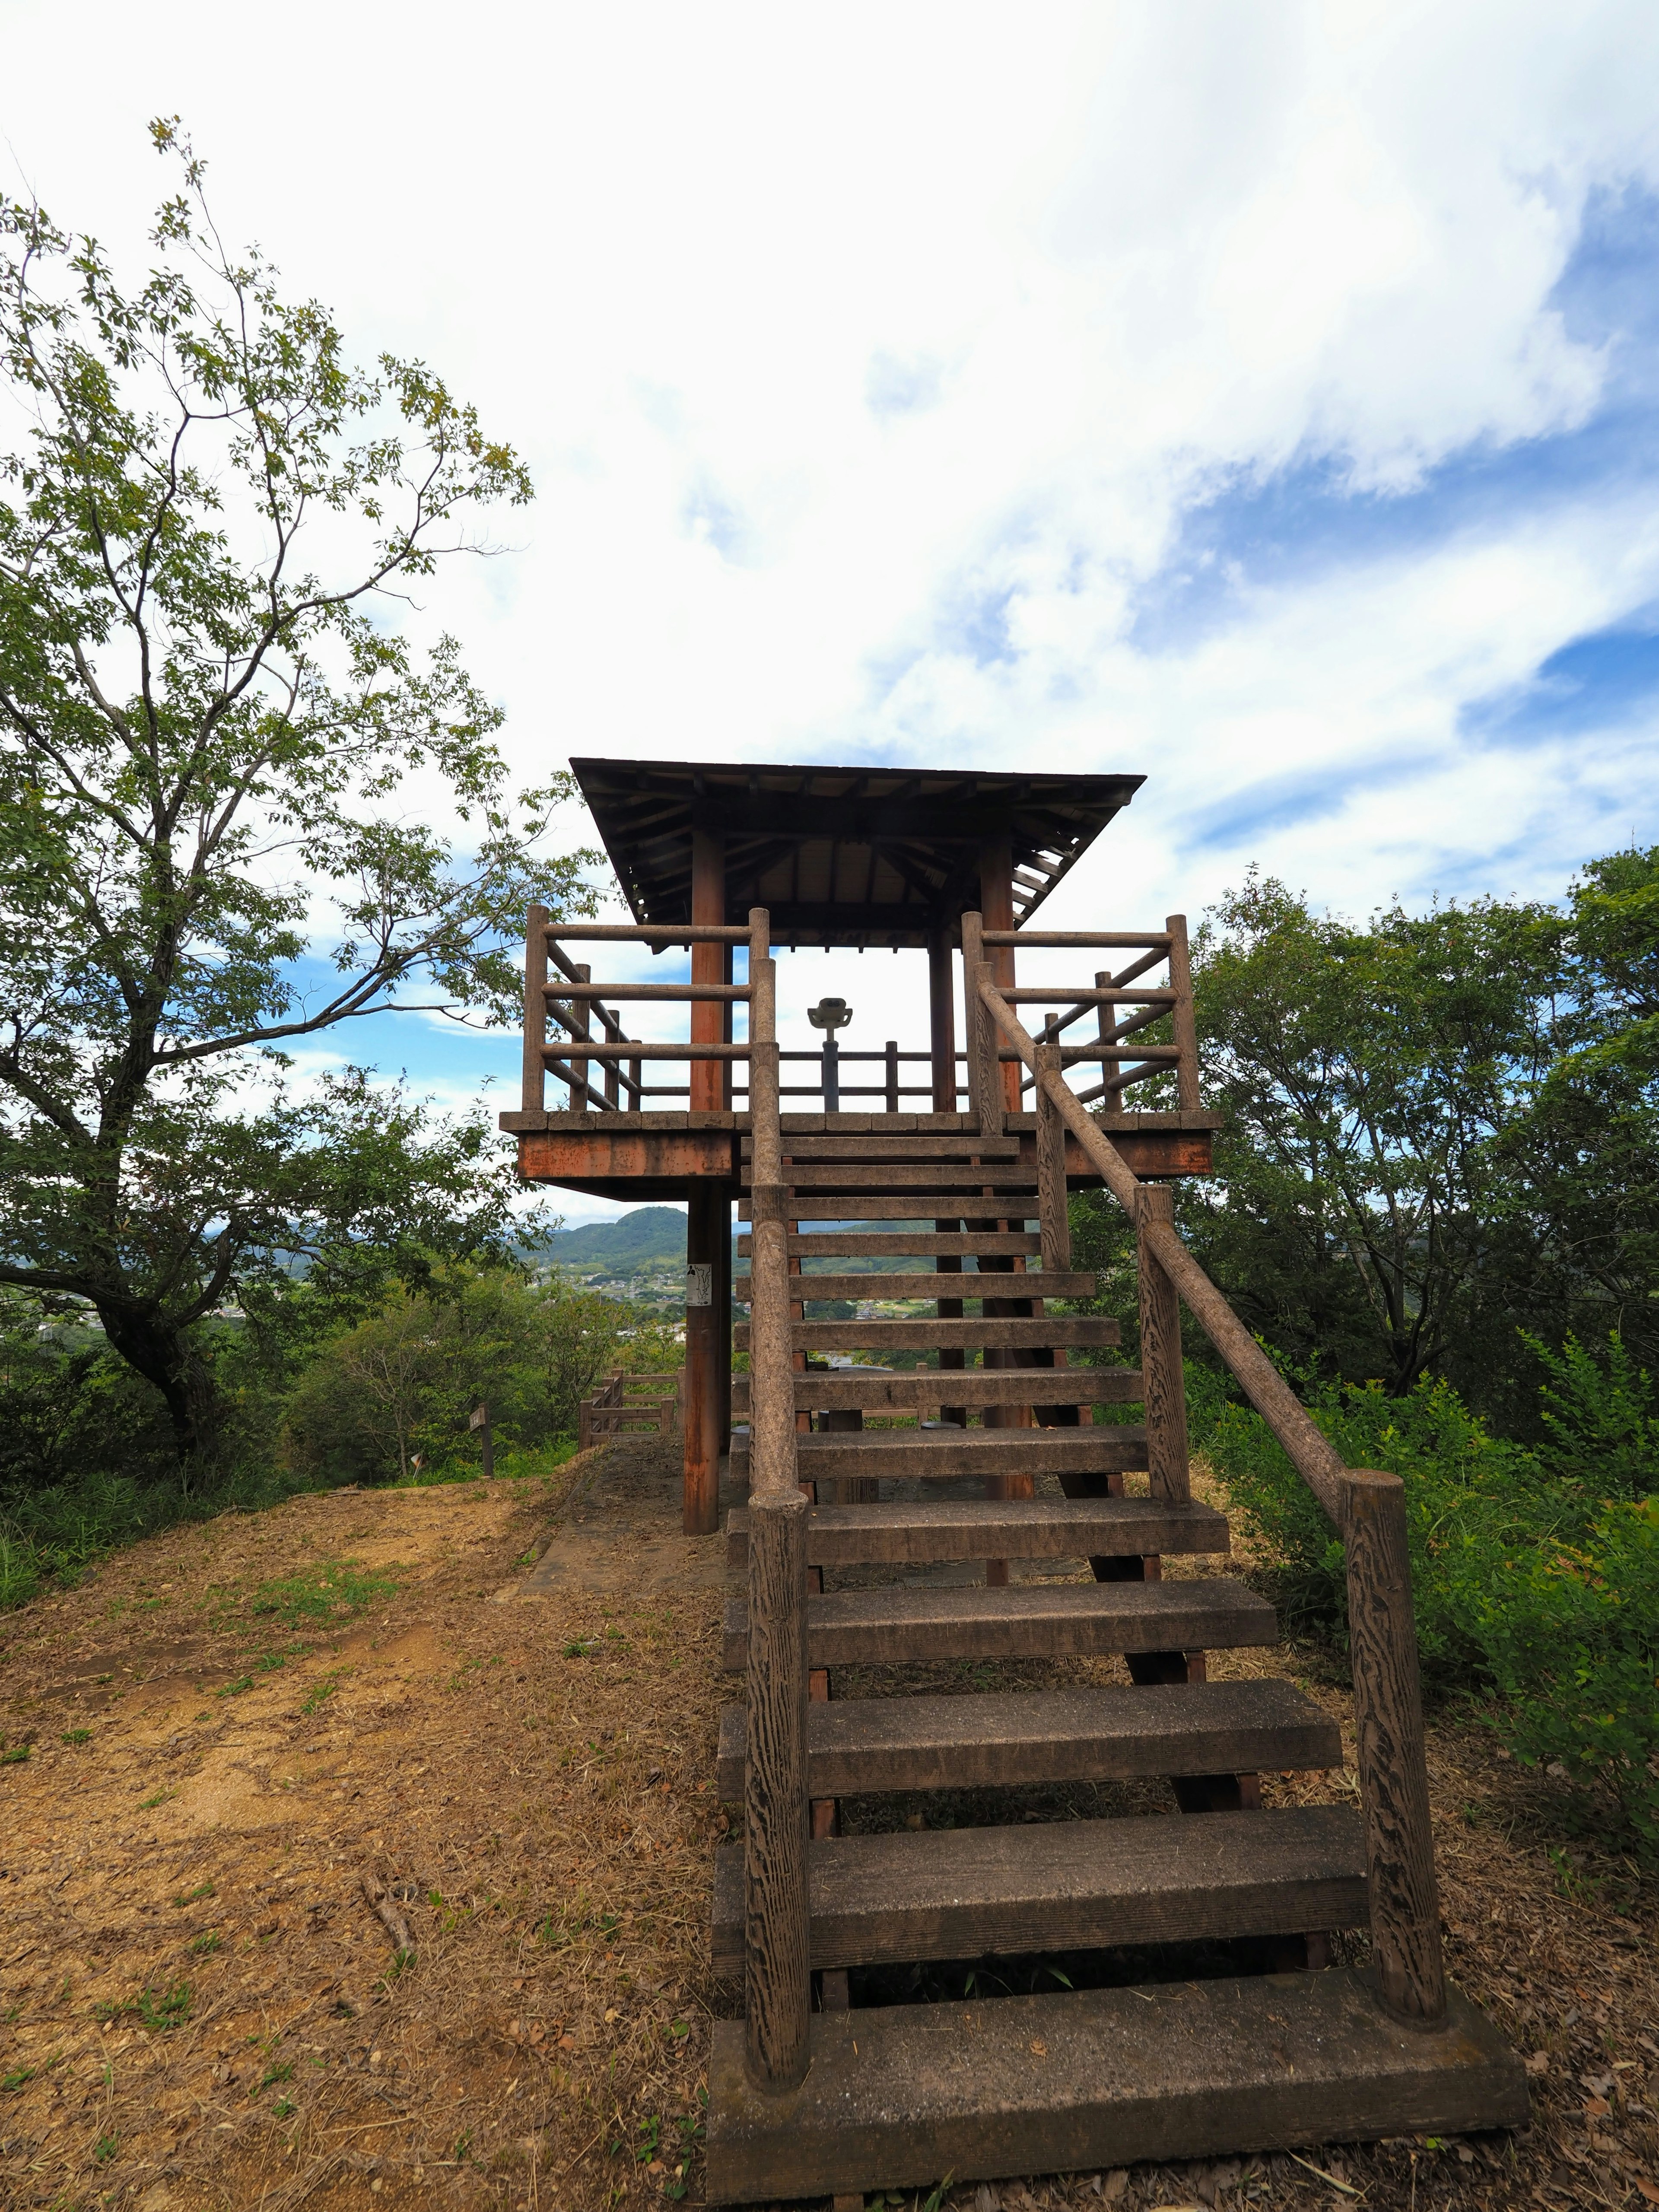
1535,1574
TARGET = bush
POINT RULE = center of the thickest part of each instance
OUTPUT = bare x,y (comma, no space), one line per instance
1535,1574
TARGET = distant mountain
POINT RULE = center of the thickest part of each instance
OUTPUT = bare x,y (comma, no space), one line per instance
651,1235
655,1236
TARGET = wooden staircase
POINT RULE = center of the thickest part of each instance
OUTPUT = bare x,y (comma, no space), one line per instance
838,2102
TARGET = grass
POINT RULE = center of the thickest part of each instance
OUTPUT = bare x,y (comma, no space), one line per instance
324,1592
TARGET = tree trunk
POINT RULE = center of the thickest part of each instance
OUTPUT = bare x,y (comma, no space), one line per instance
165,1356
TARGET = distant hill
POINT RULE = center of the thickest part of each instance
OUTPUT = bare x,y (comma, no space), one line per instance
651,1235
655,1236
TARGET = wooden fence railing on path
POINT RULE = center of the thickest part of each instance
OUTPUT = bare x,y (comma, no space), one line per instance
624,1402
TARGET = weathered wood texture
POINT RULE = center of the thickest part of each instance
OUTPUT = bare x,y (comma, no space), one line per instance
1099,2079
773,1943
917,1146
897,1243
1010,1740
936,1453
925,1335
1052,1212
892,1626
1014,1528
899,1393
533,1088
963,1180
1065,1885
1167,1456
1049,1284
1394,1782
626,1155
1011,1206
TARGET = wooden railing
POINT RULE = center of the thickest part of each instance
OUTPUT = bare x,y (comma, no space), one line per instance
561,990
572,999
622,1402
1367,1507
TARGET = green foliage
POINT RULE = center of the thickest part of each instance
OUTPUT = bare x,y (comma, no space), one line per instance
324,1591
1535,1574
205,741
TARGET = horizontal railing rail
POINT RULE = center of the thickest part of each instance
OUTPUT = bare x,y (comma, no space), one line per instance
1367,1507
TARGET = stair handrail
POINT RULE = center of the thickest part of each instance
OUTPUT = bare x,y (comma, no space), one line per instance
777,1970
1368,1507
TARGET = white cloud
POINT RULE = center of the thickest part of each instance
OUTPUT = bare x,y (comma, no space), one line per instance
848,344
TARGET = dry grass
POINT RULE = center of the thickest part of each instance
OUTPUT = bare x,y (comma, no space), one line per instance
530,1783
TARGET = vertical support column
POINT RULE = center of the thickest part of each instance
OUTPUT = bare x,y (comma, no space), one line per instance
707,1206
777,1976
1394,1782
1160,1358
708,1077
533,1094
1184,1023
941,1017
996,907
985,1090
581,1025
1054,1217
892,1073
721,1202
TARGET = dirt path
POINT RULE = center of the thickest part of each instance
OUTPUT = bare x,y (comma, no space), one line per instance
235,1733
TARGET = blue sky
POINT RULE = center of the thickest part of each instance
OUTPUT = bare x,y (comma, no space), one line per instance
1263,398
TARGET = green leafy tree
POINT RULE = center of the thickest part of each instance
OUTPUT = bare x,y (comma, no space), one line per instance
220,759
1366,1075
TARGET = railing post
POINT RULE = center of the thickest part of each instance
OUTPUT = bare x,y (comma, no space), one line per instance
984,1073
1054,1216
1183,1026
1393,1781
892,1075
1160,1354
533,1098
777,1964
580,1026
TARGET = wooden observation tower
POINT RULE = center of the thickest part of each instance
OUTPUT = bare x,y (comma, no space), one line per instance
986,1516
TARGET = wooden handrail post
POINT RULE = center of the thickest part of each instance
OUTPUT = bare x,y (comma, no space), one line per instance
580,1026
1054,1217
1183,1020
1160,1350
984,1075
533,1097
1394,1780
777,1966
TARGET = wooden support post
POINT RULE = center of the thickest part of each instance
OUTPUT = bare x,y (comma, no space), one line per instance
1054,1217
722,1283
996,907
941,1017
985,1089
777,1970
708,1077
533,1097
892,1075
581,1025
950,1356
1160,1355
1183,1023
1394,1782
777,1976
705,1203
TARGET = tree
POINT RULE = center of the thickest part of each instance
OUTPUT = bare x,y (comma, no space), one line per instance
205,742
1367,1076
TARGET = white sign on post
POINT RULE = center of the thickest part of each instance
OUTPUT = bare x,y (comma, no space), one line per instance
700,1284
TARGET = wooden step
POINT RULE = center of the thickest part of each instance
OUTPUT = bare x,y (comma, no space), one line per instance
1051,1282
926,1177
1097,2079
855,1206
898,1244
1065,1885
901,1625
1010,1739
925,1146
837,1391
935,1453
996,1529
1035,1334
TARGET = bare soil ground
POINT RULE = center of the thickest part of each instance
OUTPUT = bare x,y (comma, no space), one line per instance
263,1752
